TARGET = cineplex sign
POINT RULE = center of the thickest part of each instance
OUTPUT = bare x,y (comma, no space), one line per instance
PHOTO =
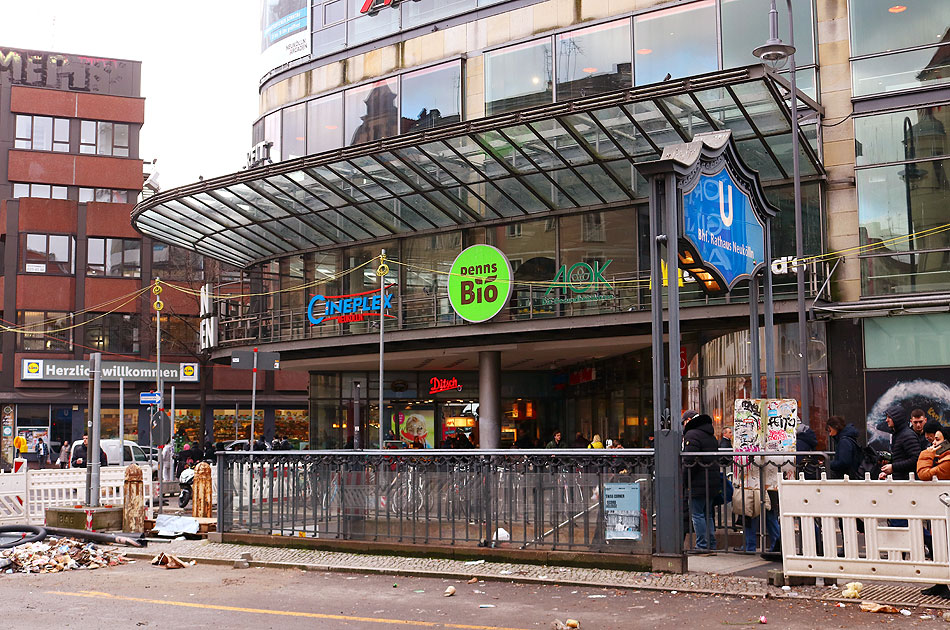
68,370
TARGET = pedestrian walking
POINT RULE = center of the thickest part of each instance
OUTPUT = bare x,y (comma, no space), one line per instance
63,459
726,440
934,463
703,478
905,446
42,452
847,458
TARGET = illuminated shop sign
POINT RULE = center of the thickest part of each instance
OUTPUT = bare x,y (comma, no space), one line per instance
372,7
584,279
347,308
438,385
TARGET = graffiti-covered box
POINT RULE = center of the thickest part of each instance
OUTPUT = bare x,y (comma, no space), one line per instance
763,425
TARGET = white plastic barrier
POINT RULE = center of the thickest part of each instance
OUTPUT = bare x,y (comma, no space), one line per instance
866,530
25,495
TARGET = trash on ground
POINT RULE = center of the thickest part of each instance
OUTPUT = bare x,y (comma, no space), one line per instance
906,612
449,592
596,596
786,588
486,605
474,562
53,555
852,590
572,623
874,607
168,525
505,572
169,561
419,590
502,535
474,580
763,620
840,605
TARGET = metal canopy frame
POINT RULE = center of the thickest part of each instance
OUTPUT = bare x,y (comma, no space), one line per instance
580,154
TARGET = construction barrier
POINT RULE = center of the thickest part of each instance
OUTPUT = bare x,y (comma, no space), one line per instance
866,529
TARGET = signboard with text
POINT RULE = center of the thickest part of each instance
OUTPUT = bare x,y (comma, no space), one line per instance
70,370
285,32
722,229
479,283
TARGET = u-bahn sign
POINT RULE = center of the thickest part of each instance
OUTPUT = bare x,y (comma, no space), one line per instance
723,214
722,229
479,283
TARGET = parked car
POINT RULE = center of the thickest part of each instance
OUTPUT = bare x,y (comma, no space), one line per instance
133,452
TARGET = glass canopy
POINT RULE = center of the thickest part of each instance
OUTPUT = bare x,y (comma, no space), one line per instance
564,156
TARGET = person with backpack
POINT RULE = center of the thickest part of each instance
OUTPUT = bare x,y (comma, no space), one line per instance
848,454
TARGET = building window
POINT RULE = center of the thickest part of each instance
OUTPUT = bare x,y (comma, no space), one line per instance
903,45
113,332
294,133
39,191
272,135
49,253
432,97
179,333
372,111
903,184
745,25
46,331
518,77
593,60
174,263
593,227
103,195
42,133
676,42
514,230
325,123
115,257
104,138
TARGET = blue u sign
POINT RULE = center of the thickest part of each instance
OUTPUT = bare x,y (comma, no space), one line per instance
722,227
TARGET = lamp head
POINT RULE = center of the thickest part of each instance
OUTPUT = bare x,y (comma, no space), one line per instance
774,53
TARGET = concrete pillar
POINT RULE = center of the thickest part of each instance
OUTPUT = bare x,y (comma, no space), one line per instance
489,399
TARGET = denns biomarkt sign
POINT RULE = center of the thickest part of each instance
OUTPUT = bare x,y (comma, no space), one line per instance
584,281
354,307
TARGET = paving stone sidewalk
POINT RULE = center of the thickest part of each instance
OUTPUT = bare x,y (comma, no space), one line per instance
205,551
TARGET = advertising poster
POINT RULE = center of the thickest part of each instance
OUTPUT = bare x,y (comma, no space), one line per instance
285,32
924,389
32,435
622,508
6,434
416,427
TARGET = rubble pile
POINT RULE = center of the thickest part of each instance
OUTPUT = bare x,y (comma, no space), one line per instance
57,554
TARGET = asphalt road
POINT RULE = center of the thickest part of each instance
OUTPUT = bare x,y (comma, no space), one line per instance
218,597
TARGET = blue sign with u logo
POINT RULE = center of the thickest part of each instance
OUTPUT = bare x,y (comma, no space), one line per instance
723,228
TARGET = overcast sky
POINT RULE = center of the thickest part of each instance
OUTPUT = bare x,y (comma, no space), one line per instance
199,70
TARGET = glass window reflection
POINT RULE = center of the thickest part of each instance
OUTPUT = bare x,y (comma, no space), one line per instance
272,134
518,77
679,42
593,60
325,123
883,25
432,97
906,135
371,112
294,135
902,71
745,25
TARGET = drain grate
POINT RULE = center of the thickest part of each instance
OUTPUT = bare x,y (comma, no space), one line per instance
895,595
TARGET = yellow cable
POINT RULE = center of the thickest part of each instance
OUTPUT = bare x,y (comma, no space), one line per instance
90,309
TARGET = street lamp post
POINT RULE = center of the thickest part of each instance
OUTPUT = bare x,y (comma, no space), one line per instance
775,52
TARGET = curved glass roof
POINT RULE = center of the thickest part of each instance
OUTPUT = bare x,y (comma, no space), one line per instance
563,156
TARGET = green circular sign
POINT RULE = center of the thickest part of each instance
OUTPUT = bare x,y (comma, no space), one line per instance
480,283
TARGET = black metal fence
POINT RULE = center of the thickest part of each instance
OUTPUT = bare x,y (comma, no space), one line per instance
569,500
525,499
731,501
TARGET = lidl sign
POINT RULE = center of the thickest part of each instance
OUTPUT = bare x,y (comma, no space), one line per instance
479,283
71,370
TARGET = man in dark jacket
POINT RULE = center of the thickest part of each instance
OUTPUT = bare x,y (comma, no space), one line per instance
702,478
905,447
918,419
847,452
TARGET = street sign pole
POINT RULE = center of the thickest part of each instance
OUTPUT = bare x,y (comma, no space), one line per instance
158,305
92,455
121,421
253,398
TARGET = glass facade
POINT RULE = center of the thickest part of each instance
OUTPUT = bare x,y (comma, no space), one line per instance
593,60
675,42
371,112
518,77
431,97
910,341
903,191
